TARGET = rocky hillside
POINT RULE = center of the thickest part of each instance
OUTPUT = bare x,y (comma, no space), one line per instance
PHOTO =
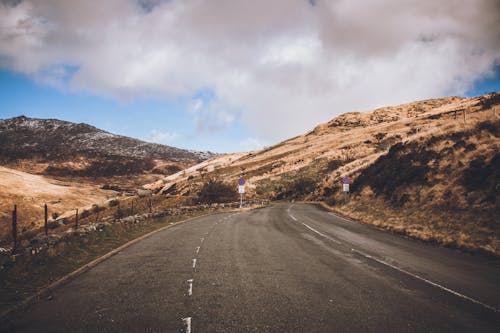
414,168
63,148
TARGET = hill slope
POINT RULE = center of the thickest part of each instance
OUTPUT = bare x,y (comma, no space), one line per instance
63,148
70,166
413,166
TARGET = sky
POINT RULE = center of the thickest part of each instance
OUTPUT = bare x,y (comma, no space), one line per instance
237,75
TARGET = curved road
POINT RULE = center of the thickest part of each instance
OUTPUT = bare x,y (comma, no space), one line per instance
284,268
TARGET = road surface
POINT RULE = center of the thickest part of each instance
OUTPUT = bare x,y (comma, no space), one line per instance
284,268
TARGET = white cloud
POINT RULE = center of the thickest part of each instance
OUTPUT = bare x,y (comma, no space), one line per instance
162,137
279,66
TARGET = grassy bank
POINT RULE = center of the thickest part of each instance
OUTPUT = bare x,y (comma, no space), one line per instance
466,230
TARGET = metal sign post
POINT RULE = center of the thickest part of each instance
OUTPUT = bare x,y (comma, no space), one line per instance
241,190
345,187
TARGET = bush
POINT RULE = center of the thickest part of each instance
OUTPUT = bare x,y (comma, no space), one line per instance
302,187
214,191
334,164
96,208
113,203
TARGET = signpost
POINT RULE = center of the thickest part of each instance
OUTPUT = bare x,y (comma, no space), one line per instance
241,190
345,187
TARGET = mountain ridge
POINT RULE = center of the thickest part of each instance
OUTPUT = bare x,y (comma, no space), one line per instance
52,136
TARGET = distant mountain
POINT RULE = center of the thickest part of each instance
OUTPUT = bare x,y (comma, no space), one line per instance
67,148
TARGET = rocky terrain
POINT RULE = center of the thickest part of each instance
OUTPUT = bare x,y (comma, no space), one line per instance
428,169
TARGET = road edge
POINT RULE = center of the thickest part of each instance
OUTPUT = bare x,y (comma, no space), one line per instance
44,291
461,249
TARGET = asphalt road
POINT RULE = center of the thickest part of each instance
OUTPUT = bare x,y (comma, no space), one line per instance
284,268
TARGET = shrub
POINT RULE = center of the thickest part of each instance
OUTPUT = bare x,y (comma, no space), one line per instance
113,203
97,208
379,136
214,191
334,164
302,187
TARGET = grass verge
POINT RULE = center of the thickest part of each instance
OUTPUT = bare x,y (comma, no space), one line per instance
30,274
461,230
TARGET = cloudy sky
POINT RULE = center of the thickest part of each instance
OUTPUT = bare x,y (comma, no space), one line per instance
232,75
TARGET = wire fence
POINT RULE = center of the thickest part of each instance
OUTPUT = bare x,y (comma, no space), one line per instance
24,226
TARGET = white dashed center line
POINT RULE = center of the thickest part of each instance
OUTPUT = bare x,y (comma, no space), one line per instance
190,289
187,323
197,249
194,263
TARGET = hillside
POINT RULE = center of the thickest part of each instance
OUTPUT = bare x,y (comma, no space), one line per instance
414,167
31,192
69,166
61,148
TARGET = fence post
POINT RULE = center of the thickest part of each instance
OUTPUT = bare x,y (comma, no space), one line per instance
76,219
150,206
465,116
14,227
132,207
46,225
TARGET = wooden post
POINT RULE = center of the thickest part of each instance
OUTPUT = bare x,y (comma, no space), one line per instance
76,219
14,227
132,208
150,206
46,225
465,116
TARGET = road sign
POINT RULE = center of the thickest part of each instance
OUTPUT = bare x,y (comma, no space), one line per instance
241,182
346,180
345,187
241,189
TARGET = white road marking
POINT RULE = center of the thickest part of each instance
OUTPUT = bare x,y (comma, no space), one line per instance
202,239
187,322
194,263
190,290
456,293
321,234
197,249
340,217
293,217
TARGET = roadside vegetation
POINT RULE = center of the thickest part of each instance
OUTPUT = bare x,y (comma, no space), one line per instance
216,191
443,189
